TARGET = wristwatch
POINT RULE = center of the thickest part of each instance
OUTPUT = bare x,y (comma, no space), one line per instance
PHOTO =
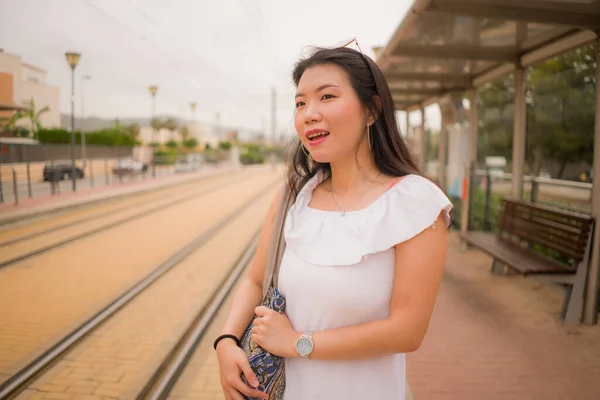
304,344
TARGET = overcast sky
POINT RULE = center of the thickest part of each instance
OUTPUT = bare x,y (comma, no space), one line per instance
226,55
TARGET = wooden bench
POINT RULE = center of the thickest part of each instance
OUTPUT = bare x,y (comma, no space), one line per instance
533,239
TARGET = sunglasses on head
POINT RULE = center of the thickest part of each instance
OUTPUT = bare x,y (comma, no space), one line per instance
347,43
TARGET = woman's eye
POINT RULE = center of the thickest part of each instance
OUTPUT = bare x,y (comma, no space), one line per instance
327,96
300,103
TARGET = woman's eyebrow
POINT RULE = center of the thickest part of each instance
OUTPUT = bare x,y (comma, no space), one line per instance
327,85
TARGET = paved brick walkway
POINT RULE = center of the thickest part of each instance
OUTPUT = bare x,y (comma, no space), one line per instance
500,338
44,204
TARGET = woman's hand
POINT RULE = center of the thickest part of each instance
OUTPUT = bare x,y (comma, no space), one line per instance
273,332
232,363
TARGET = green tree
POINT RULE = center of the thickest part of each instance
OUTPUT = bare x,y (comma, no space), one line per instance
171,125
190,143
225,145
172,144
561,101
157,124
9,124
33,116
184,131
496,102
134,130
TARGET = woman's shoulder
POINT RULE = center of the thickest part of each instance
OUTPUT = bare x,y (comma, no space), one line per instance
420,197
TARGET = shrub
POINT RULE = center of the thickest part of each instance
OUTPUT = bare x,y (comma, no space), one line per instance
252,157
165,157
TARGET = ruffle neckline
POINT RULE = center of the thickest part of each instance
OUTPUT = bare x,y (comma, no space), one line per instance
327,238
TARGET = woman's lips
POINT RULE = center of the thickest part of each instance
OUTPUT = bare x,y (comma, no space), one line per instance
317,141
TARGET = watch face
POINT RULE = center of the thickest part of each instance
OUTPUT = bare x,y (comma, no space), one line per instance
304,346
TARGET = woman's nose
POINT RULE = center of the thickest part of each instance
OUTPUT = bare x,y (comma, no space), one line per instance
312,113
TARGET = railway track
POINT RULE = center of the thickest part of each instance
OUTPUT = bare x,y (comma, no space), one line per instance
167,374
169,369
157,204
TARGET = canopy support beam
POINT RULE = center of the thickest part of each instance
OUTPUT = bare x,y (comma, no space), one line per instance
519,135
591,301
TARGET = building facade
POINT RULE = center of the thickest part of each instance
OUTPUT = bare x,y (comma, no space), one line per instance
204,133
28,82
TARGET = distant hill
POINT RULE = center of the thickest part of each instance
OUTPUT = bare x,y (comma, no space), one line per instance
95,123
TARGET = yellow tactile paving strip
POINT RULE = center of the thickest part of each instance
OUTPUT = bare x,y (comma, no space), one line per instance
12,251
119,358
43,298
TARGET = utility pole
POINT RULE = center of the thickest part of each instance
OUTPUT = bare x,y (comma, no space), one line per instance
273,114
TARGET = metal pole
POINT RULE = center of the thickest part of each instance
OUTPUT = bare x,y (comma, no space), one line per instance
73,177
91,173
488,196
25,158
273,113
423,142
591,301
28,179
468,187
534,189
519,134
471,198
15,190
442,151
82,122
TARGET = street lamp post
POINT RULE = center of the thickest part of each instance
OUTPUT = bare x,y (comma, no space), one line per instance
83,156
193,105
73,59
153,90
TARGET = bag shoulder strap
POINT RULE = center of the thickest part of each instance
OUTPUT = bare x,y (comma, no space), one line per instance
277,244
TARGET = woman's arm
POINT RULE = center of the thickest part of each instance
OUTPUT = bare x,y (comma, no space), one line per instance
419,268
249,292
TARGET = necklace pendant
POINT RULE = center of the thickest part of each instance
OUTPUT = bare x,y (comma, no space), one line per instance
343,213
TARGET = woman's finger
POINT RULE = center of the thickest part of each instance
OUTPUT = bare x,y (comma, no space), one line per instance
249,373
235,395
256,338
241,387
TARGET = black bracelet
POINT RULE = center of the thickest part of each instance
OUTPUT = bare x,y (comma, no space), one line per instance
226,336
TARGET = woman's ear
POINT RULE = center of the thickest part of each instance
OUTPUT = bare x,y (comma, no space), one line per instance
373,118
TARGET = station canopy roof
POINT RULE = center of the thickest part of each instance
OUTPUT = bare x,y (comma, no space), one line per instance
446,46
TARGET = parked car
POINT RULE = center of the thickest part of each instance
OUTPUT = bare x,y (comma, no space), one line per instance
128,166
192,162
61,170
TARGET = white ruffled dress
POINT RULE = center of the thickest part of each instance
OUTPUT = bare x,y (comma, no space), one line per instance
338,271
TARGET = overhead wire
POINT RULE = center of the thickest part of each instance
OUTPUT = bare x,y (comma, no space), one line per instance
222,84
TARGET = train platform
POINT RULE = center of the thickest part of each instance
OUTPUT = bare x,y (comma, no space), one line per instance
44,205
499,337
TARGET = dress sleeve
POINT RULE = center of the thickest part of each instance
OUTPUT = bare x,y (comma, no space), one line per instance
405,210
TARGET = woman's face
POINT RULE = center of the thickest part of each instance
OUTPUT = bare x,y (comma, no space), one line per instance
330,120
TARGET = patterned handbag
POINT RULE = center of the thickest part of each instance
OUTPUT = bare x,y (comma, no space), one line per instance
269,368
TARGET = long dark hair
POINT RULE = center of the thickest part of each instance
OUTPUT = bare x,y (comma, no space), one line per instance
390,153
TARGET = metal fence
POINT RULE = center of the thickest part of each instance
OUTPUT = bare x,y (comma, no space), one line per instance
489,188
19,181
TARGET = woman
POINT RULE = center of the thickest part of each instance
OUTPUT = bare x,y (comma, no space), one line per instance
363,259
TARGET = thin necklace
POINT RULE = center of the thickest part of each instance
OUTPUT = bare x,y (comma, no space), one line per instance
342,212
